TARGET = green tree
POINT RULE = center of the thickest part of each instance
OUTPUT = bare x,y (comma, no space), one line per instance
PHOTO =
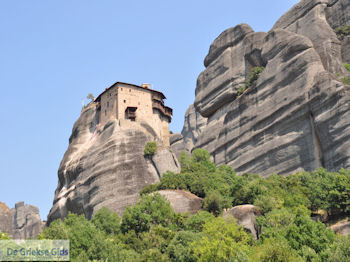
107,221
150,210
222,240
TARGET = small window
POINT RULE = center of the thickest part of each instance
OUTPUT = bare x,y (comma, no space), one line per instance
124,101
121,89
129,90
107,104
105,112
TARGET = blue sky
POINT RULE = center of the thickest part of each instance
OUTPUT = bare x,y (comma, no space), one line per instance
54,53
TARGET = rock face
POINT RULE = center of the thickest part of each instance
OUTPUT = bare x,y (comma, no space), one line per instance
245,215
21,222
106,166
182,201
296,115
6,220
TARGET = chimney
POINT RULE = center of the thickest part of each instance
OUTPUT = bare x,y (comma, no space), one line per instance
145,85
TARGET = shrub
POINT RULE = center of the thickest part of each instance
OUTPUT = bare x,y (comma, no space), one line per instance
347,66
342,31
150,148
253,76
345,80
213,203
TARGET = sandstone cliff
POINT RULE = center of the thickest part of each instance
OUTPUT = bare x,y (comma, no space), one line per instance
106,166
21,222
296,115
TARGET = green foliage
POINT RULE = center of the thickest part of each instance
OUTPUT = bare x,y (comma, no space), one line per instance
253,77
222,240
196,222
347,66
91,97
342,31
179,248
4,236
150,210
276,250
150,148
345,80
339,251
86,241
151,231
213,203
297,228
106,221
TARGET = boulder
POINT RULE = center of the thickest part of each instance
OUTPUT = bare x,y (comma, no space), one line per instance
342,227
182,201
245,215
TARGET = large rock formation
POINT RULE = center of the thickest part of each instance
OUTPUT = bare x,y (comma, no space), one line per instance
21,222
296,115
106,166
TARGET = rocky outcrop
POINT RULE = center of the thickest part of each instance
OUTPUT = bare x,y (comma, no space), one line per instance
194,123
296,115
245,215
182,201
21,222
6,220
106,166
26,221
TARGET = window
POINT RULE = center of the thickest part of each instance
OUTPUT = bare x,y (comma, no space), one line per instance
121,89
129,90
130,113
107,104
105,112
124,101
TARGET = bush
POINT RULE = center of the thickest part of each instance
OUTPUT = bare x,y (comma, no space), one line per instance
150,148
213,203
345,80
342,31
253,77
347,66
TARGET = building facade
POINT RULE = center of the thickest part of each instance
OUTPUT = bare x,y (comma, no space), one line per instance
130,102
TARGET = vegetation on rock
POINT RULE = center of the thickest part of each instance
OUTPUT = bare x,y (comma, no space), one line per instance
342,31
151,231
253,76
150,148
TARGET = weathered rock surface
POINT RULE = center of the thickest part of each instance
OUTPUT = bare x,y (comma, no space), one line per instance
346,49
296,116
342,227
105,166
26,221
317,19
182,201
6,220
245,215
21,222
194,123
